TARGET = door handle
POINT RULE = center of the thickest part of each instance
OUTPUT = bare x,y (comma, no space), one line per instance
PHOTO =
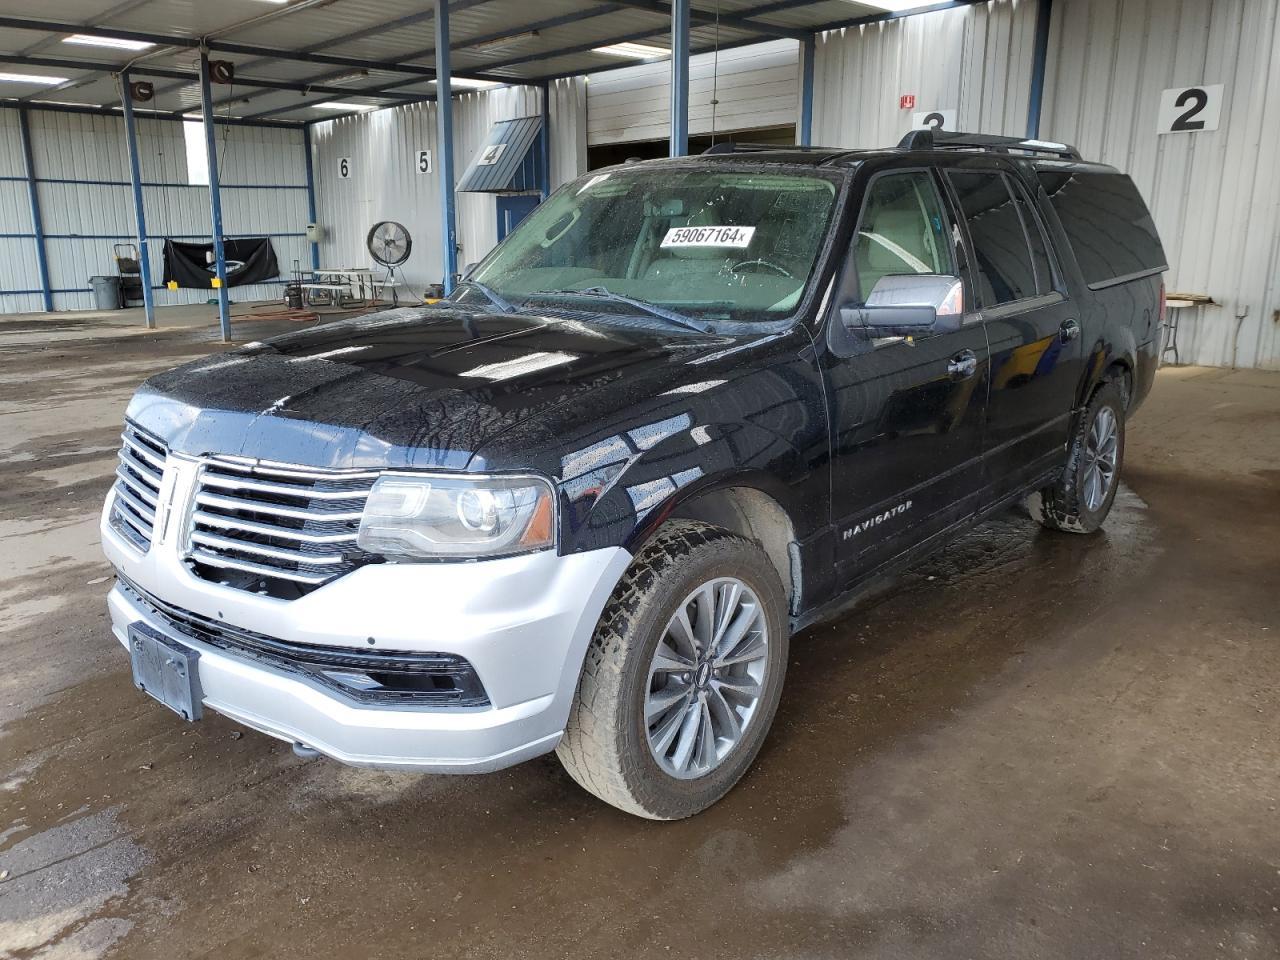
1068,331
963,365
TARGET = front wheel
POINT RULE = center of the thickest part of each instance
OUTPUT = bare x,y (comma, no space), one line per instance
1081,499
682,677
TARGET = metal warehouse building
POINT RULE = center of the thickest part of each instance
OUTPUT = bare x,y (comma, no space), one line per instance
640,479
332,118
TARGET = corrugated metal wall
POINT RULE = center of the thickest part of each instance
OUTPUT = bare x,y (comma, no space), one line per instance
973,60
1215,194
384,182
82,170
18,269
756,86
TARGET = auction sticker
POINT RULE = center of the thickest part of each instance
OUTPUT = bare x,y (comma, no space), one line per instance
708,237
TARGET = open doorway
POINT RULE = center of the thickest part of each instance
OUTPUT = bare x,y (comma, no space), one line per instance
607,154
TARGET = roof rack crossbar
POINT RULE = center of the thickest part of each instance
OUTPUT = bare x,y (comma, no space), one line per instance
944,140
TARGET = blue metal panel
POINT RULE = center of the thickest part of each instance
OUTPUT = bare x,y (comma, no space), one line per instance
1039,57
807,51
215,197
679,78
33,192
311,195
444,115
139,208
510,159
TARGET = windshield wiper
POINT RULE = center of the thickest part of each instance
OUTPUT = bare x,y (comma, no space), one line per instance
493,296
604,293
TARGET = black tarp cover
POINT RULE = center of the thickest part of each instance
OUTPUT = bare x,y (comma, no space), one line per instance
250,260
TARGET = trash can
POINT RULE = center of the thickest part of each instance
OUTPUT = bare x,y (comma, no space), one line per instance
106,292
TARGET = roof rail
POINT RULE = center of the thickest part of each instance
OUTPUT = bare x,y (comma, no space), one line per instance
944,140
728,146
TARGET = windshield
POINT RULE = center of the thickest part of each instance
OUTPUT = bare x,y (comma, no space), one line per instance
710,244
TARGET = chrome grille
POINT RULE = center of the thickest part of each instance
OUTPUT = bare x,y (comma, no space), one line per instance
137,486
254,525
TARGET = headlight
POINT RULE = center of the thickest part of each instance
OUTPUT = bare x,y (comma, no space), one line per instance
430,518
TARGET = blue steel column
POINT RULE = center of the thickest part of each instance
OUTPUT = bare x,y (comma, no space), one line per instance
444,116
810,48
215,197
139,209
37,224
311,194
679,78
544,148
1039,59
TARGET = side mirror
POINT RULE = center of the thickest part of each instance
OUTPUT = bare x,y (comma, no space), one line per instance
470,269
909,305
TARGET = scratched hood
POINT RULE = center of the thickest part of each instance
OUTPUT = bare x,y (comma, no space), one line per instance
419,387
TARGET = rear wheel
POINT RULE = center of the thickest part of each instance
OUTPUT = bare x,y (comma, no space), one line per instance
1081,499
683,675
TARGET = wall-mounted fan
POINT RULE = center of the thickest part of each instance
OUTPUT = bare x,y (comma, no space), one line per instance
389,244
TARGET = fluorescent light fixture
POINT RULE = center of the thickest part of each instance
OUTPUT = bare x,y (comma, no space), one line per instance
511,38
893,6
343,105
467,83
67,103
32,78
635,51
89,40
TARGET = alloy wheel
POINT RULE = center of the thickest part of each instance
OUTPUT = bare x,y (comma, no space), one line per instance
1100,453
706,678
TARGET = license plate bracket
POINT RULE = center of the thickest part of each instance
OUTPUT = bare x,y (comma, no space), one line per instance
166,670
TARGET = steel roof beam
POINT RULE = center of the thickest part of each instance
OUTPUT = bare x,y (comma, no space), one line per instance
57,63
223,46
547,24
738,19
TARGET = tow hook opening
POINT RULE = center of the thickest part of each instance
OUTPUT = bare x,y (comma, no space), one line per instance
304,751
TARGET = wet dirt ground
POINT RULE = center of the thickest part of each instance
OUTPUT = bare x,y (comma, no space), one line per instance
1032,745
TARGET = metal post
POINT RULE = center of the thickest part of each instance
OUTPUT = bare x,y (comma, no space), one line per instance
444,116
809,49
679,78
311,193
544,147
215,197
1039,59
37,224
139,209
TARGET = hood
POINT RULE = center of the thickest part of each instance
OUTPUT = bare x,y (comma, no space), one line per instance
417,387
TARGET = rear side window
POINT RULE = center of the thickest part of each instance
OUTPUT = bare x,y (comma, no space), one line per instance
1001,245
1107,223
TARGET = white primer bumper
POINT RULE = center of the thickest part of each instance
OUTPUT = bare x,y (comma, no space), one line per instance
523,623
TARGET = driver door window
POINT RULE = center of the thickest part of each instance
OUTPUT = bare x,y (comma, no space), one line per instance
902,230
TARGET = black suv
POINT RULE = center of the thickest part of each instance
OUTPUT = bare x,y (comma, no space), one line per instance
685,409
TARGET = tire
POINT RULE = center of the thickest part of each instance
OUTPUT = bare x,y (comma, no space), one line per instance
607,746
1070,505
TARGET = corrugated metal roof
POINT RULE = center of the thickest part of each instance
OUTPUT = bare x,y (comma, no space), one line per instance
510,40
507,161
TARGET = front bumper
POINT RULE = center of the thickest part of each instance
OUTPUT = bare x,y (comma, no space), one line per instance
522,622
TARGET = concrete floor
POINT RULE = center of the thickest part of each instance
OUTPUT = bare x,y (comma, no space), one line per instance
1033,746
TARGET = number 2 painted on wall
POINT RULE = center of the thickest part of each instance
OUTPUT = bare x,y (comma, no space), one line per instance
1190,109
1198,100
